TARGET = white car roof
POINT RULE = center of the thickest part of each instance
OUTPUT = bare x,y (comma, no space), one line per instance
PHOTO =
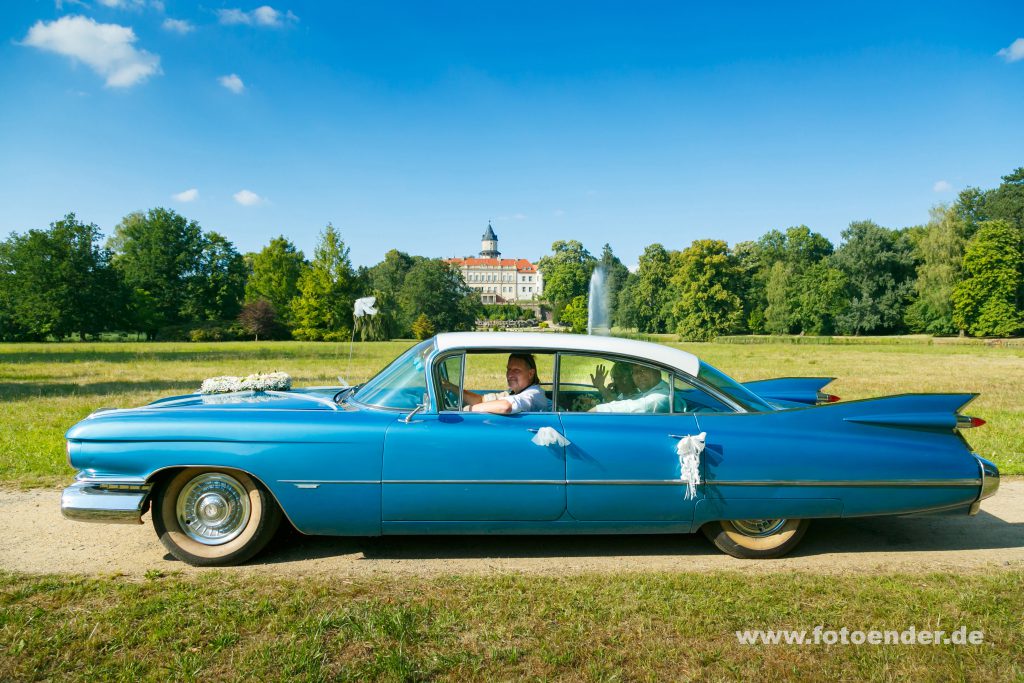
545,341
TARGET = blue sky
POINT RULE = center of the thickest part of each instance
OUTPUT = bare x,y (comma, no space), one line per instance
411,124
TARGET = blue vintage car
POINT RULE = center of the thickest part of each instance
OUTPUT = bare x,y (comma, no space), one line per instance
749,465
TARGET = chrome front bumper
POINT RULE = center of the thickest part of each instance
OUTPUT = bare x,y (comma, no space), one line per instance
989,482
87,501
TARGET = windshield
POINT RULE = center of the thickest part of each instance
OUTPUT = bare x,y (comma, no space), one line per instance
401,385
747,399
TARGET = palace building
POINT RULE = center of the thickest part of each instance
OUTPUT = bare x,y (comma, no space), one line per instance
500,280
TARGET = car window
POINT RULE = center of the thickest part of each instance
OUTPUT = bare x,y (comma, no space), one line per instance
607,384
401,385
485,373
744,397
687,398
450,382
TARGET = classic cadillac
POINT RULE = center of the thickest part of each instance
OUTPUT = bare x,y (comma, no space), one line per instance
405,453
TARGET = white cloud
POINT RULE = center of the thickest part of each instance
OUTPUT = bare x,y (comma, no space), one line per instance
264,15
233,83
1015,52
178,26
942,186
106,48
189,195
247,198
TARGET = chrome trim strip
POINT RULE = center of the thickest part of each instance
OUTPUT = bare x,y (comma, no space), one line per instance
317,399
533,482
852,482
300,482
627,482
653,482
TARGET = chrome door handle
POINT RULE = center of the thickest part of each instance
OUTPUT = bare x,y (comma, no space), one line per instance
532,430
677,436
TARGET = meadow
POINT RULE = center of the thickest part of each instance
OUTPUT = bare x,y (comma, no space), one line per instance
46,388
630,627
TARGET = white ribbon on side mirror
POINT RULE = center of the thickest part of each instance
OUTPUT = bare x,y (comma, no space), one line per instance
547,436
689,449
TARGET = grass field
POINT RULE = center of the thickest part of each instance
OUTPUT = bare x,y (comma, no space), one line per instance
600,628
45,388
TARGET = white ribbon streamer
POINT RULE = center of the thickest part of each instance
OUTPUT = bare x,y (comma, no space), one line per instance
689,449
546,436
365,306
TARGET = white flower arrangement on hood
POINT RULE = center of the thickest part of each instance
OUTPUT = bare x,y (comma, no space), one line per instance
273,381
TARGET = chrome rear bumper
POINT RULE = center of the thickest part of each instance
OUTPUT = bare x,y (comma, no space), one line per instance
109,503
989,482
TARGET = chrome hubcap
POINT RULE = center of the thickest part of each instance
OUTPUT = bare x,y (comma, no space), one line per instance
758,528
213,508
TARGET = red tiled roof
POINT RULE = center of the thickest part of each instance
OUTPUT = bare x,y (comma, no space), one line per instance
521,265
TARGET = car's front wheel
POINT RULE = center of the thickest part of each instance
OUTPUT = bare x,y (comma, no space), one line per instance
208,517
756,539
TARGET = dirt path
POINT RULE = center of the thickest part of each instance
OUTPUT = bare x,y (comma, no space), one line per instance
35,538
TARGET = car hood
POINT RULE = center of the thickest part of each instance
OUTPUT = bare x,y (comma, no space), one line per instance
220,417
310,398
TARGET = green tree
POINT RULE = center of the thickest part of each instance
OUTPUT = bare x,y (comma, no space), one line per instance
575,315
707,277
387,279
615,276
939,252
987,301
275,273
773,269
157,254
820,298
646,298
323,308
436,289
566,273
58,282
879,268
1006,202
216,286
780,316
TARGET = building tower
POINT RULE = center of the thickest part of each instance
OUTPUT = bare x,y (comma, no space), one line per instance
489,244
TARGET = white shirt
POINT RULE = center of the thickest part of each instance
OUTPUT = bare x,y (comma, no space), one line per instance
654,400
529,400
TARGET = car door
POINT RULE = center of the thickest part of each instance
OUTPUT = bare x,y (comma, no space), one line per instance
454,466
620,466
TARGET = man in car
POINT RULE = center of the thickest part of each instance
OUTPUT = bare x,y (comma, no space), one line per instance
653,394
524,393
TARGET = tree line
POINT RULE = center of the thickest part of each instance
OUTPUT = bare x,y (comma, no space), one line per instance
962,272
160,274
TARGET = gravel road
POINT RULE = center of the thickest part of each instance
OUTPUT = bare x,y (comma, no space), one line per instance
36,539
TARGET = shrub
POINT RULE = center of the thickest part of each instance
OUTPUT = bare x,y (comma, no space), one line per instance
422,328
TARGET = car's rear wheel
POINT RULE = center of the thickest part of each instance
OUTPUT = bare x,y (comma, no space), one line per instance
756,539
209,517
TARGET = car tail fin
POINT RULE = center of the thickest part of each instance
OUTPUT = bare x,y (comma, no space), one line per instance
806,390
912,411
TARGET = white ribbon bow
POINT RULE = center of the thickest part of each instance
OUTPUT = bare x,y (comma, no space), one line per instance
365,306
546,436
689,449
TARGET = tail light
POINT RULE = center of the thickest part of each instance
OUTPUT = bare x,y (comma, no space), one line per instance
967,422
826,398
